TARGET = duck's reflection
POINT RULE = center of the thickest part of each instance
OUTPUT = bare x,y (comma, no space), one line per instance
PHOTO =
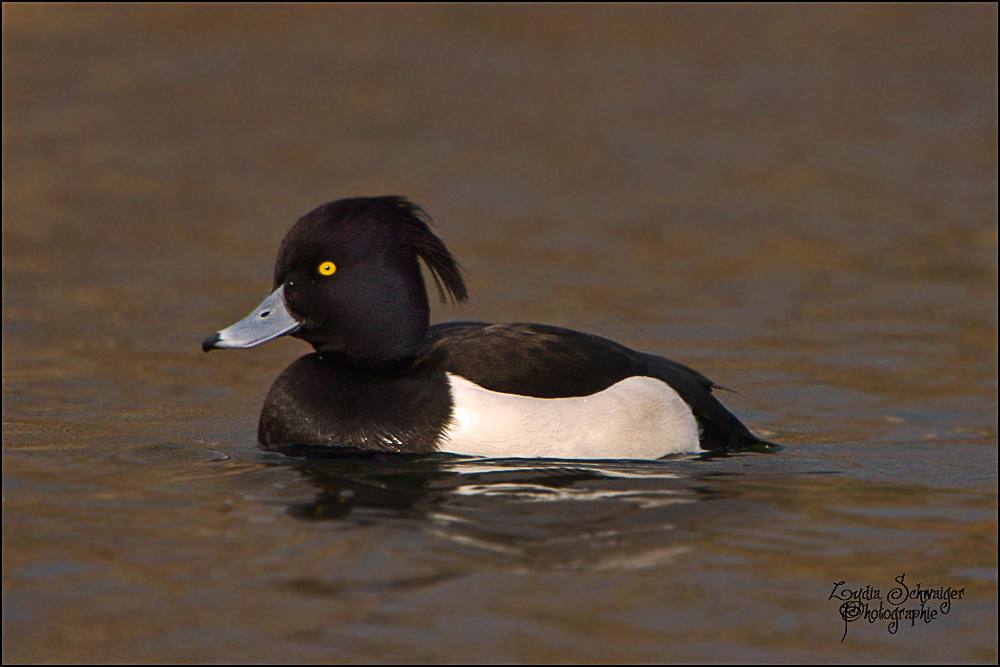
528,513
413,485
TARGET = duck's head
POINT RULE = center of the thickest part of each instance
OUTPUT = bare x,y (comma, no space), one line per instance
347,281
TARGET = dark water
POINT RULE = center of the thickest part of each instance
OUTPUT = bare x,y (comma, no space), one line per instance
799,202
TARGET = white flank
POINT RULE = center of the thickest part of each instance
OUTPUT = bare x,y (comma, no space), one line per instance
638,418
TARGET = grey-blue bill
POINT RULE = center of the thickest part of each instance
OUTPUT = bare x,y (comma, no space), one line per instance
268,321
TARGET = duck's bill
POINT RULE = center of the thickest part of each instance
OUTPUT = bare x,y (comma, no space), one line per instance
268,321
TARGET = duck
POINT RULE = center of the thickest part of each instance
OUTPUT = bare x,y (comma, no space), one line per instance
382,379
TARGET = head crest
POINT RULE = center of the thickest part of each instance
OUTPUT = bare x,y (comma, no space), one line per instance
444,269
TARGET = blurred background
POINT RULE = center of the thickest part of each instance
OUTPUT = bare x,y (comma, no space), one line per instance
798,201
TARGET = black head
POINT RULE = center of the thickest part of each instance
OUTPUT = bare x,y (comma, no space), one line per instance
350,278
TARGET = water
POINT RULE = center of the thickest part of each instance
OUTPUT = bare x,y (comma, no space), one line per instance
799,202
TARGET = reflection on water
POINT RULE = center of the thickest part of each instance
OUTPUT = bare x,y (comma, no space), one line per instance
800,202
542,514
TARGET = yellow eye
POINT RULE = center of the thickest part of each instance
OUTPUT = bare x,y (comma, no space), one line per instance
327,268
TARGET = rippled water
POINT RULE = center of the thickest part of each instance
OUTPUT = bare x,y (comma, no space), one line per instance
799,202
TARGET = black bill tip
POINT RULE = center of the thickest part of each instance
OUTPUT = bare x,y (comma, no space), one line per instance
208,344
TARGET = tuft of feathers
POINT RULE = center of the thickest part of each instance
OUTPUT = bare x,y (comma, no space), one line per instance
444,268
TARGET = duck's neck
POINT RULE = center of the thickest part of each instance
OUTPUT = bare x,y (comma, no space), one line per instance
377,330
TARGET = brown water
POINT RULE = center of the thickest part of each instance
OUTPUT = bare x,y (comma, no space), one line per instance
799,202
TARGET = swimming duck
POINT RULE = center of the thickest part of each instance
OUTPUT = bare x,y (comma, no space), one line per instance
347,281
